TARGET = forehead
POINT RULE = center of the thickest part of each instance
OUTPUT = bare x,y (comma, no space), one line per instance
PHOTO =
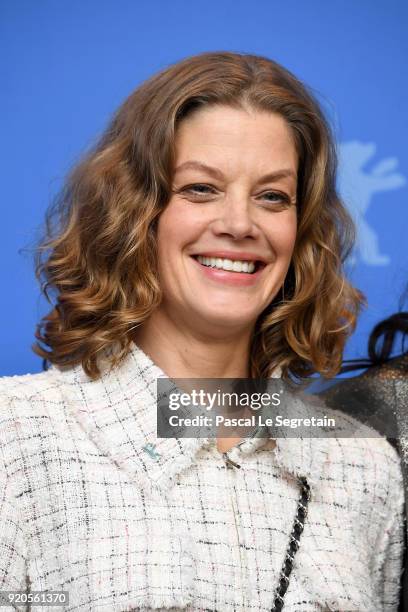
222,131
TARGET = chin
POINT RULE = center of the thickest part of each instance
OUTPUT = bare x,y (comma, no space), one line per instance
226,320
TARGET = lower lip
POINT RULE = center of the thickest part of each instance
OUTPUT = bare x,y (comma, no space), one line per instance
237,279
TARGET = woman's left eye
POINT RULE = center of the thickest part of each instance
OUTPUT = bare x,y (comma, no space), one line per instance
277,197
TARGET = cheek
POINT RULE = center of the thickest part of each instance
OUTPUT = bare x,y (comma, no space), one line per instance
290,240
282,235
178,225
175,232
169,232
168,221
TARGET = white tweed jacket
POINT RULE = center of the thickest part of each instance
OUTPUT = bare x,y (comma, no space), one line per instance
85,508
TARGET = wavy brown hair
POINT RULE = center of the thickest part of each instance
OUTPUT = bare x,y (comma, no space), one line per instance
98,255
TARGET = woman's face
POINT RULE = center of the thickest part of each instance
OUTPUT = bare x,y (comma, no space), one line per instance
232,206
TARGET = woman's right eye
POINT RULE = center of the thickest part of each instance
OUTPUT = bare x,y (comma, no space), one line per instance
198,189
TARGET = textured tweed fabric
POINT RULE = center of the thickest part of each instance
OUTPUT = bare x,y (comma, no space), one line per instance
85,508
381,394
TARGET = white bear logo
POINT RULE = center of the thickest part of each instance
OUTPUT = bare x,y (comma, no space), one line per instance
357,187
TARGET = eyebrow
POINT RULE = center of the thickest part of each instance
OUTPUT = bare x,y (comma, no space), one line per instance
271,176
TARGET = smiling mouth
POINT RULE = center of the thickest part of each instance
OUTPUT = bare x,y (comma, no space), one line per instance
238,266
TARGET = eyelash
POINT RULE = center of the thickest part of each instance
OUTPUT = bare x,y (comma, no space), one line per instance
283,197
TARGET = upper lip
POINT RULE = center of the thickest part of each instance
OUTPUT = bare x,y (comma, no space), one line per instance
240,255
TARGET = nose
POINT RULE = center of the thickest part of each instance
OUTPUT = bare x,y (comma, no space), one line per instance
235,218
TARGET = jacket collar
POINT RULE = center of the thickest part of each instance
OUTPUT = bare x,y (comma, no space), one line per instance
119,413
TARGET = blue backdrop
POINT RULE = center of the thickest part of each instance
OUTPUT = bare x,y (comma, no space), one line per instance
66,66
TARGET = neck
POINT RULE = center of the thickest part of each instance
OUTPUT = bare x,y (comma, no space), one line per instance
185,353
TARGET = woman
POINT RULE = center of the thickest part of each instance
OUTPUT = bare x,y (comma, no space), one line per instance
201,238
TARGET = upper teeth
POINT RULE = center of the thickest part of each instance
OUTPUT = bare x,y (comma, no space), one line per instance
227,264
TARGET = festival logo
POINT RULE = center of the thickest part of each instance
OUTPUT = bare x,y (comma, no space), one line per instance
358,185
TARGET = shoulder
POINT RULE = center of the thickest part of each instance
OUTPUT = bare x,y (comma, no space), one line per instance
357,457
29,393
360,447
31,406
27,385
371,455
366,471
